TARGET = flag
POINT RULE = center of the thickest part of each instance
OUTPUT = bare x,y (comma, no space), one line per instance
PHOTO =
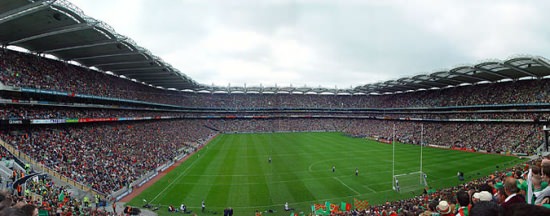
530,187
319,206
319,209
327,206
360,204
321,212
343,206
333,207
61,197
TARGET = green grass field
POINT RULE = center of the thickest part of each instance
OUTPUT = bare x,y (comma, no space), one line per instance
233,171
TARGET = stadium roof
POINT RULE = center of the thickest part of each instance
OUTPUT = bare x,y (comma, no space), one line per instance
486,72
59,28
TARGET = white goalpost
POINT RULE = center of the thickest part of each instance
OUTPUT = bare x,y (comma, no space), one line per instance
412,180
409,181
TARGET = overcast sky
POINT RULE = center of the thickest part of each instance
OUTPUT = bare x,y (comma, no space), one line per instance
325,43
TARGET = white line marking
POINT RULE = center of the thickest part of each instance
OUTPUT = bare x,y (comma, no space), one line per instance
337,179
177,178
367,187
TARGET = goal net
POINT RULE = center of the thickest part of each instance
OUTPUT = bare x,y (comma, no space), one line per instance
409,181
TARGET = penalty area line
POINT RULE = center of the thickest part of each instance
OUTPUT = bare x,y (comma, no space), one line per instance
367,187
337,179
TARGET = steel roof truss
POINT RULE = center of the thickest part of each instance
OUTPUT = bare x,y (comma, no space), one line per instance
469,76
71,28
109,55
81,46
410,81
135,69
491,72
430,81
518,69
450,80
22,11
147,74
402,87
163,81
120,63
419,84
543,63
159,79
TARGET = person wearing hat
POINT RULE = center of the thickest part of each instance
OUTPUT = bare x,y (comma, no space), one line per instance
512,193
482,197
444,209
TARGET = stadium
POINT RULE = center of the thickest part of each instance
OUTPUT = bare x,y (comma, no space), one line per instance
105,127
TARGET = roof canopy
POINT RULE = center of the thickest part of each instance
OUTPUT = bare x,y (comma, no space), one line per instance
61,29
489,71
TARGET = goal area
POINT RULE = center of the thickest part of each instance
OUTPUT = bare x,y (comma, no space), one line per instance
409,181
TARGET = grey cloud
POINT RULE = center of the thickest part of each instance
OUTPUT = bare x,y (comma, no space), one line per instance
355,42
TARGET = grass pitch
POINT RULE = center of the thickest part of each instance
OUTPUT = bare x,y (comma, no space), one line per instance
233,171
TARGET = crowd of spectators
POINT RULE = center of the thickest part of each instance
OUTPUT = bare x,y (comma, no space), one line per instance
57,112
26,70
106,157
490,137
43,197
14,111
532,116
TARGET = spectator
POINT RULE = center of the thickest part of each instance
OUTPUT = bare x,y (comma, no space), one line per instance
464,203
512,196
30,210
444,208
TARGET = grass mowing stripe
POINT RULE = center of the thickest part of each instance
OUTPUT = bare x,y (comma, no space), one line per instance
259,193
172,182
296,190
220,193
